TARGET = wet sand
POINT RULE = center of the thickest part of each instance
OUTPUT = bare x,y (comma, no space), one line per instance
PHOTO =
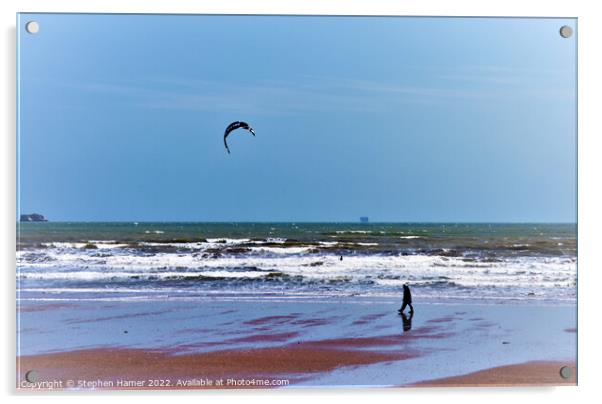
524,374
293,363
319,344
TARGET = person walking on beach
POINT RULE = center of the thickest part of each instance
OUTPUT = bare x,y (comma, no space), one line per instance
407,299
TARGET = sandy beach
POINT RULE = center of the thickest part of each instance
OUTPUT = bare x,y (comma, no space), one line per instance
524,374
282,343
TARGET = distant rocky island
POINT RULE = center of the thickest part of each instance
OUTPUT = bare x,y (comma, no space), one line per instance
33,217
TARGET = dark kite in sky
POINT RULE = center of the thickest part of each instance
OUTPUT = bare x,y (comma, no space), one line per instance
233,126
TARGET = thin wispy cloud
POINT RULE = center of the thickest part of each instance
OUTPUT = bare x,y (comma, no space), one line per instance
307,93
498,75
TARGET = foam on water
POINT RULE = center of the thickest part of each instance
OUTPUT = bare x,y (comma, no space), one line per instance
294,268
288,259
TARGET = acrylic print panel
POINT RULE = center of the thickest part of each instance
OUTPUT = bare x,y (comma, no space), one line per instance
247,201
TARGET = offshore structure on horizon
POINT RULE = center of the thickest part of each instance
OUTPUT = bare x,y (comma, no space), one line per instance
364,219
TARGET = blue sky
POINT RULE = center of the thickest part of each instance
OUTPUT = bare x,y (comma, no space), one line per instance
398,119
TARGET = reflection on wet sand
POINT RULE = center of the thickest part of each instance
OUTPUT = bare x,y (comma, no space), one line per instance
407,321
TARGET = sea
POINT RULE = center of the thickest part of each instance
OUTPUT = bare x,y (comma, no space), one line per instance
441,262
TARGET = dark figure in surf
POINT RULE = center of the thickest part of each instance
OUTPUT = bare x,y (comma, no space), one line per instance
407,299
407,321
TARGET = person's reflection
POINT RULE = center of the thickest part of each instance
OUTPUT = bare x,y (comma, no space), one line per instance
407,321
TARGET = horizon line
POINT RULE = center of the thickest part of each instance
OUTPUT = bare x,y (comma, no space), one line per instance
301,221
